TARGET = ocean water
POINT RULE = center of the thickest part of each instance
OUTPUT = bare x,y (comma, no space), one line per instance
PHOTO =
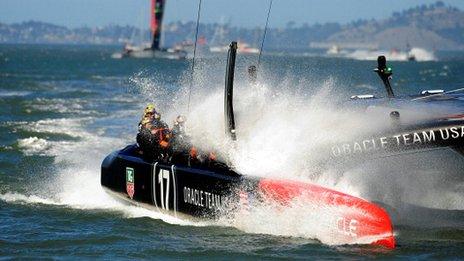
63,108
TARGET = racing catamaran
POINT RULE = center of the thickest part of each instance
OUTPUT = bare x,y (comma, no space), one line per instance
153,50
215,189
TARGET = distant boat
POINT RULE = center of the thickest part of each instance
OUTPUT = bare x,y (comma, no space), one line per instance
411,56
415,54
219,43
246,48
188,46
421,55
336,51
243,48
153,49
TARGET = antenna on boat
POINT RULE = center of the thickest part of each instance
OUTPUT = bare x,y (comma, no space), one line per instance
385,74
264,35
228,92
194,55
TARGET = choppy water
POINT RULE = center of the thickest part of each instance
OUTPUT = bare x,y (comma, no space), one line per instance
63,108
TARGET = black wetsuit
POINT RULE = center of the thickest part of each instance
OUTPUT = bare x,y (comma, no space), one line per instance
151,143
180,145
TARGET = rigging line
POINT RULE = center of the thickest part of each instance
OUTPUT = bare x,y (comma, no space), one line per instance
264,35
438,94
194,55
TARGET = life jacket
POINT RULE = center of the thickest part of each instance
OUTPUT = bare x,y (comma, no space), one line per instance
212,156
193,153
162,133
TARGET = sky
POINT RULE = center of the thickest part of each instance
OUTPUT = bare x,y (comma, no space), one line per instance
247,13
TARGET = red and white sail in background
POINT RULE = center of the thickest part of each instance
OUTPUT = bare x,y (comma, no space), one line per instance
156,19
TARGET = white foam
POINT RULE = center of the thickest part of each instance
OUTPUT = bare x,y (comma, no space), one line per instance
419,54
278,134
25,199
100,201
4,93
422,55
33,145
42,146
68,126
61,106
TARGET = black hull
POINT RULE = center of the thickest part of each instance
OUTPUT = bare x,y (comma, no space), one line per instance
206,192
196,192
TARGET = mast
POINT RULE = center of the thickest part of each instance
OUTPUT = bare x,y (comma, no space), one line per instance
228,93
156,14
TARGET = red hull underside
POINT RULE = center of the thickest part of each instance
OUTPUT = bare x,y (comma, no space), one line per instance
353,220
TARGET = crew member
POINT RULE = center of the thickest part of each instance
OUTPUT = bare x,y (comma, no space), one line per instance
252,74
154,134
180,141
178,129
183,151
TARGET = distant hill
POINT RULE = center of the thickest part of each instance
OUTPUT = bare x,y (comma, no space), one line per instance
33,32
436,26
